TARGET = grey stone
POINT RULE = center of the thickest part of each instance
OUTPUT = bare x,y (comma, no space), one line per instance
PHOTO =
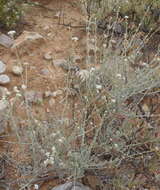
71,186
44,72
62,63
2,67
6,41
4,79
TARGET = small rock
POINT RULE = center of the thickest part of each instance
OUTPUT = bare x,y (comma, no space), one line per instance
59,62
48,56
57,93
52,102
17,70
44,72
4,79
71,186
62,63
49,34
2,67
6,41
33,97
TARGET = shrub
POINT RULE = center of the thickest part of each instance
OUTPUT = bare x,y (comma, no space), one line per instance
106,128
145,12
10,13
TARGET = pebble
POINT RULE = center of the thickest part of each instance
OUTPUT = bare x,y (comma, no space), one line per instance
4,79
45,72
59,62
48,56
2,67
6,41
62,63
17,70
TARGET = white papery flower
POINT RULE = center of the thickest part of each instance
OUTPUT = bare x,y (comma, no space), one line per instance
23,86
83,74
36,186
99,87
15,89
11,33
53,149
75,39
